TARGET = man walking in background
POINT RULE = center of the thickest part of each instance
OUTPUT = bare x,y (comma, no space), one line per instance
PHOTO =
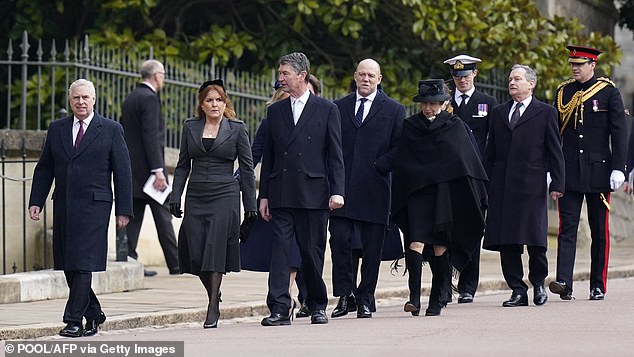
145,136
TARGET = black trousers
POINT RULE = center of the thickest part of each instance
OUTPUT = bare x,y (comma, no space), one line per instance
470,275
82,301
164,229
598,219
308,226
513,270
342,231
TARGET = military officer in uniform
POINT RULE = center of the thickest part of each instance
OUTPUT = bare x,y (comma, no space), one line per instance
473,107
593,129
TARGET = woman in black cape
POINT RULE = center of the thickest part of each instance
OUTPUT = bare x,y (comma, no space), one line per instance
438,194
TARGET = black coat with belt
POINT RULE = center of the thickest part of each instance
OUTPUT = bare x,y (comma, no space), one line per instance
517,160
476,113
144,134
368,154
302,165
83,196
596,145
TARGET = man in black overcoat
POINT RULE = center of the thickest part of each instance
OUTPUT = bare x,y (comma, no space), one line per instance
370,129
145,136
594,134
301,179
523,146
473,107
83,154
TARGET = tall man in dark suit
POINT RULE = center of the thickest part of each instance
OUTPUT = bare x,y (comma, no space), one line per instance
473,107
593,129
523,146
82,153
145,136
371,125
302,177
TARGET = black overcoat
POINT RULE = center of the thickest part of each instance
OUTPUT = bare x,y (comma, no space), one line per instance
368,156
144,134
82,198
302,165
517,161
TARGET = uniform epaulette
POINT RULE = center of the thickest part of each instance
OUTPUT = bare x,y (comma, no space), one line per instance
606,80
565,83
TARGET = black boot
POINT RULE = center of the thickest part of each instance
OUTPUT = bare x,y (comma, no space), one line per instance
445,290
441,278
414,263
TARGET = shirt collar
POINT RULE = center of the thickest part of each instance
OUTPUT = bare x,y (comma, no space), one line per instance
458,93
370,96
86,121
303,98
149,85
527,101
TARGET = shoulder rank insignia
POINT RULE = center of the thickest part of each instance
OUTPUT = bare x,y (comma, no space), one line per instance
606,80
565,83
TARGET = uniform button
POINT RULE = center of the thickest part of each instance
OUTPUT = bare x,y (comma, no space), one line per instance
580,136
285,153
299,154
581,151
284,170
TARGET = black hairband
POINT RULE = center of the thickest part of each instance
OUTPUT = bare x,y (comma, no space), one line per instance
217,82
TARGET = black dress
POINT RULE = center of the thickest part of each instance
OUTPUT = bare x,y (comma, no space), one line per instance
208,237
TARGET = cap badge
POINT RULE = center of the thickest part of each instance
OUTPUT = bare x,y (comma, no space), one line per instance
458,65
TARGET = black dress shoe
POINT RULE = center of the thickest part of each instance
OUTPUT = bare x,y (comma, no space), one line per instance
516,300
342,308
363,312
276,320
561,288
318,317
465,298
149,273
72,329
410,307
303,311
352,303
92,326
175,271
539,295
597,294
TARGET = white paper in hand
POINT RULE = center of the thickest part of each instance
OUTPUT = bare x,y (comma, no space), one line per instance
158,196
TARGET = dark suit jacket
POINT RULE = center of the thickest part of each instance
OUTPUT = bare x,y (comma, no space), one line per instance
302,165
82,199
215,165
477,120
598,145
516,161
368,155
144,134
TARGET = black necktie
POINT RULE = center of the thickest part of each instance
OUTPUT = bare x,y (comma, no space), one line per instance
515,117
464,100
358,118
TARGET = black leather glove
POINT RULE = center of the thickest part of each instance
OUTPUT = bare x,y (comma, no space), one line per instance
175,209
245,228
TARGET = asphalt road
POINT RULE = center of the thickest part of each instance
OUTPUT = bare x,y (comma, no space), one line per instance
484,328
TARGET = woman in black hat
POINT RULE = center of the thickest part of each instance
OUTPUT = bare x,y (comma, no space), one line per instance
208,237
438,194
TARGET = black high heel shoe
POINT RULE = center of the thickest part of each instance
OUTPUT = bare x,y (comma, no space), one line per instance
213,323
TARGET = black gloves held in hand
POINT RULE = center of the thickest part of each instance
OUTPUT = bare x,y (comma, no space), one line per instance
175,209
245,228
